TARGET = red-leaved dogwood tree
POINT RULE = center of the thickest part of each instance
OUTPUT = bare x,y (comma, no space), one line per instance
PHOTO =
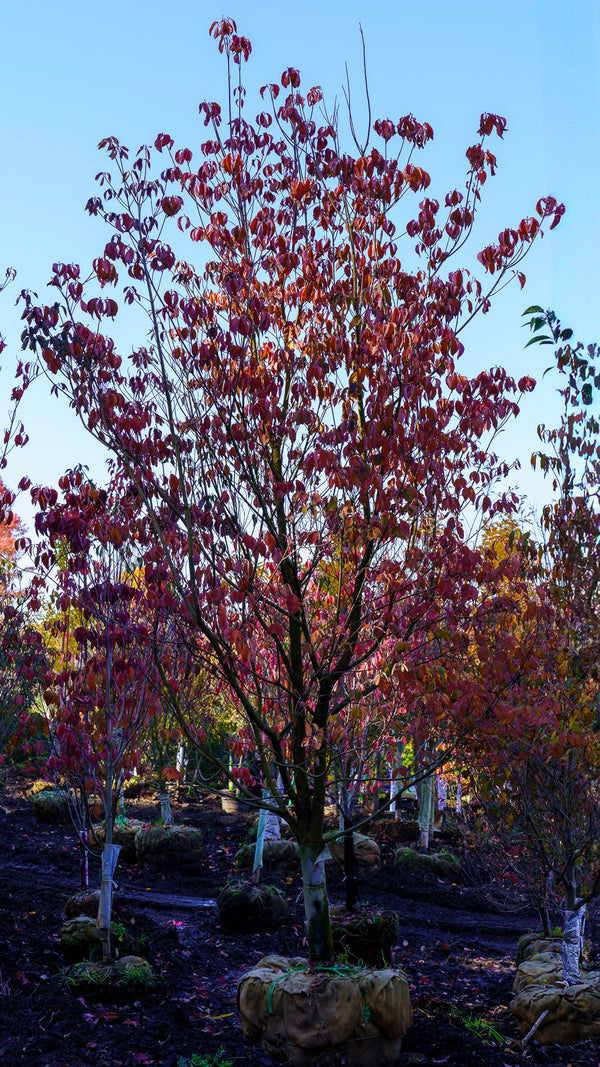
295,409
103,692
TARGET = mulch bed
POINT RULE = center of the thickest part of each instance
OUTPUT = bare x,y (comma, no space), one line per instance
458,955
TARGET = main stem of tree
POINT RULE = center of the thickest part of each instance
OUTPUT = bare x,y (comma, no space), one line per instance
316,903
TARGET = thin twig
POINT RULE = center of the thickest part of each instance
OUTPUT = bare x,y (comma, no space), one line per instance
538,1022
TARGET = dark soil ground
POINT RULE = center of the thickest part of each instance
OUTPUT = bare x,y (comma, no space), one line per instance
457,954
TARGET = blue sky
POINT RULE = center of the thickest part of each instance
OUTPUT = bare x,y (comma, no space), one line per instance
72,73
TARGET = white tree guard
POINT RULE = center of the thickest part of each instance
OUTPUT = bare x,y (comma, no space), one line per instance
110,856
166,814
570,949
314,885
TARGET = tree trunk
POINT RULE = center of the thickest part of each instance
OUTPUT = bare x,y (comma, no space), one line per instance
350,870
268,830
180,761
394,807
84,868
110,855
316,904
570,949
426,811
259,847
572,942
166,815
347,813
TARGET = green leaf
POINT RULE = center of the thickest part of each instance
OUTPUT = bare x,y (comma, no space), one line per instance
545,340
534,308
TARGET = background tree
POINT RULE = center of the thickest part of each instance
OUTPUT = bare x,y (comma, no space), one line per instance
572,527
547,789
22,658
12,538
103,697
23,668
297,409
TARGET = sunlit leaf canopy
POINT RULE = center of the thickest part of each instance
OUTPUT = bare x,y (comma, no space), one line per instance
551,63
